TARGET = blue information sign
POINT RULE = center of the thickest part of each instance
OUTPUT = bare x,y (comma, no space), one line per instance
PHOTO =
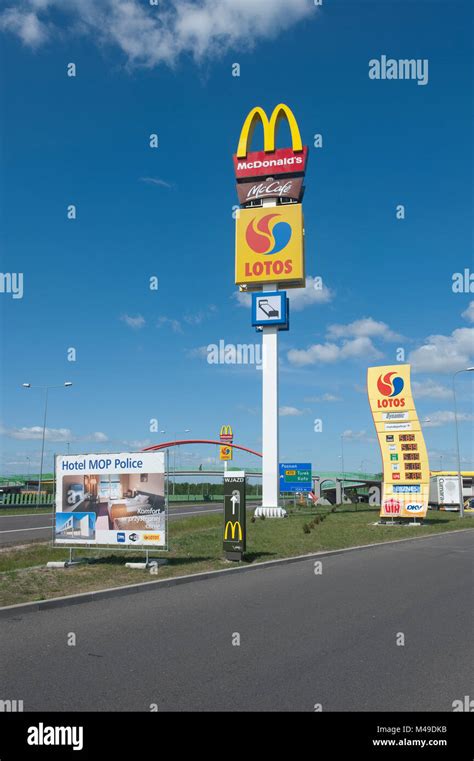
269,308
295,476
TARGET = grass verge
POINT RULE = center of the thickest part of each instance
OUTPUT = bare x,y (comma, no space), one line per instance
197,546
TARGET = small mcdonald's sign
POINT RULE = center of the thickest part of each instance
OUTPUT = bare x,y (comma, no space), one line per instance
234,515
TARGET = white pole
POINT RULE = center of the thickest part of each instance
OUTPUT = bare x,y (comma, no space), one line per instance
270,448
270,474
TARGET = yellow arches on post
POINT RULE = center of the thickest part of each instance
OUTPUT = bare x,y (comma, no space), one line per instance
270,127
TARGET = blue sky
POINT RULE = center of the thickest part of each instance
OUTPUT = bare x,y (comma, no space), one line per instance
167,212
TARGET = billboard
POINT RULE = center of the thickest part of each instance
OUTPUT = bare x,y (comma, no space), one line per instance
269,246
111,499
295,476
406,473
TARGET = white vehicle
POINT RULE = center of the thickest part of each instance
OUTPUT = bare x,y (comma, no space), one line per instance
444,493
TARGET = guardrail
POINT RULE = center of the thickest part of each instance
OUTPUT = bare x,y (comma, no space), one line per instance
44,499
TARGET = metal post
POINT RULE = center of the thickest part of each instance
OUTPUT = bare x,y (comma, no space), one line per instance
42,447
342,463
461,500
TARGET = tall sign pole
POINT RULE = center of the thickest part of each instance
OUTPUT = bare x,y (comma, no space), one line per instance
270,254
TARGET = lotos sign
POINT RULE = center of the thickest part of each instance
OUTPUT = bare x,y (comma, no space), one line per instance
271,161
269,246
404,455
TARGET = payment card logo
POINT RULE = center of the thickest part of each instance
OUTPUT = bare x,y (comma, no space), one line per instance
389,386
268,236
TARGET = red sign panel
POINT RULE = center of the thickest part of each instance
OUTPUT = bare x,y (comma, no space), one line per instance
281,161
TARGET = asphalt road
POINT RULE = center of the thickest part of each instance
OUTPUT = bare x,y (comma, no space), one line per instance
21,529
305,639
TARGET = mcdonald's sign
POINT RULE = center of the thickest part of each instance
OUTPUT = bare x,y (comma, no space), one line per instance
235,529
226,434
271,161
235,524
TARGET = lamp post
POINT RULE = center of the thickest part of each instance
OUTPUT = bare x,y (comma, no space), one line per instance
66,384
461,500
342,464
175,433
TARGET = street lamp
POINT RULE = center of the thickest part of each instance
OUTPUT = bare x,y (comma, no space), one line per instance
461,500
342,464
66,384
175,433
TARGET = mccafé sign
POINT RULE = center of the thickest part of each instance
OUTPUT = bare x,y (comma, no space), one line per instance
291,187
271,161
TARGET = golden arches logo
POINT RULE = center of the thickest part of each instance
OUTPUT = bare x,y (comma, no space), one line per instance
270,127
226,430
235,528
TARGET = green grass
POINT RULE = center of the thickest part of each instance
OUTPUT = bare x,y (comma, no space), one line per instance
196,546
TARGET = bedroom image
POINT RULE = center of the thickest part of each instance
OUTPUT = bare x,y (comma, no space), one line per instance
119,502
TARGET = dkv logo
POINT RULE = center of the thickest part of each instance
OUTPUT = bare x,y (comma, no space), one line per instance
390,385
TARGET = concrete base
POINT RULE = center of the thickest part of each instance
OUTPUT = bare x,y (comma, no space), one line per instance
270,512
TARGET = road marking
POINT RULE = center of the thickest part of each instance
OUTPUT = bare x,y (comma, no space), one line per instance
26,515
15,530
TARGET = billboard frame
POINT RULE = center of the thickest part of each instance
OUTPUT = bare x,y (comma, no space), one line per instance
112,548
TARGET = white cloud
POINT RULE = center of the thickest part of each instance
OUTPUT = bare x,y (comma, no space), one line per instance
366,327
137,444
468,314
443,417
323,398
98,436
156,181
444,354
35,432
330,352
151,35
25,23
175,325
201,352
133,322
300,298
289,412
357,435
430,390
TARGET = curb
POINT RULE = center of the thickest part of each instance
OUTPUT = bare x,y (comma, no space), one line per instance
11,611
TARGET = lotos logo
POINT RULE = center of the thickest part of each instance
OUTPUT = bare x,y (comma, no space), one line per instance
389,387
267,236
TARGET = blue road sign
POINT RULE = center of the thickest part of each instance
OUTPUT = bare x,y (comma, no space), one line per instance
269,308
295,476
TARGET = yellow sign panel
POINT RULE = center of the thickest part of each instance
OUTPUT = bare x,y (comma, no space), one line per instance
270,127
406,473
225,452
269,246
